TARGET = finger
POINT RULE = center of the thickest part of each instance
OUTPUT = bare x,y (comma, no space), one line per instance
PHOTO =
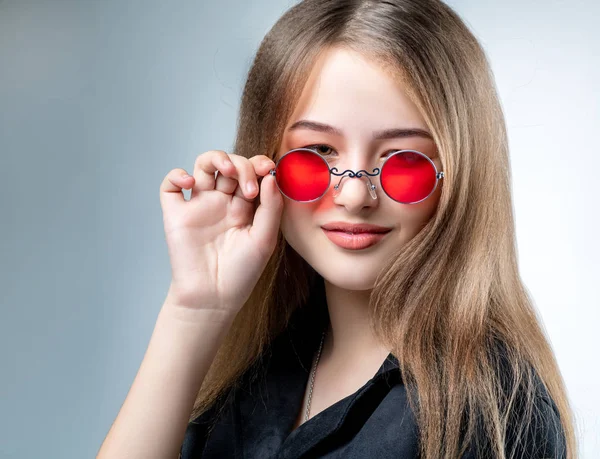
173,184
267,217
206,165
262,164
225,184
247,181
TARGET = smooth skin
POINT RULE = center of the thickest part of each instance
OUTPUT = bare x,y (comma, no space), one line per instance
216,236
218,248
359,99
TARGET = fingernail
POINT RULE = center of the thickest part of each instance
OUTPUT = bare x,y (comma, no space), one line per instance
251,187
184,176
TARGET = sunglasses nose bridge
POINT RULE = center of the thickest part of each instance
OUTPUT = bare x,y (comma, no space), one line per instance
362,175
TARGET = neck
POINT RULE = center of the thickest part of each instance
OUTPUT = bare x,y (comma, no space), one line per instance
349,337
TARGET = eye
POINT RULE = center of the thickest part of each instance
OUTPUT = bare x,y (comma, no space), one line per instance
322,149
410,156
327,151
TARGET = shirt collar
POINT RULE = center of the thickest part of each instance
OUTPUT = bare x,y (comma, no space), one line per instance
269,400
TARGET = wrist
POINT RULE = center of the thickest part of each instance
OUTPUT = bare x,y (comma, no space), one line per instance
176,312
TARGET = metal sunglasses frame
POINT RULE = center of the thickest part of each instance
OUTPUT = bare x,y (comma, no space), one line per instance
371,188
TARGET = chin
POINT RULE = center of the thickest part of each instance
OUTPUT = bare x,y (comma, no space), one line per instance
343,273
351,271
357,284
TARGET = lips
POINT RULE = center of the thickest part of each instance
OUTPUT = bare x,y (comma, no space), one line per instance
355,228
354,236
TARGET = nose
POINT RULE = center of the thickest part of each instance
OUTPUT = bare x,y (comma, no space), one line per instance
355,189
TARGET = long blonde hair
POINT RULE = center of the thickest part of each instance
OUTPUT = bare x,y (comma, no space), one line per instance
453,292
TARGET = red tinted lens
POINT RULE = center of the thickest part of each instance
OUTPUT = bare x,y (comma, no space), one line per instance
408,177
302,175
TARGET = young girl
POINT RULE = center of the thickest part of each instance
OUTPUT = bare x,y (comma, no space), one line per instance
346,283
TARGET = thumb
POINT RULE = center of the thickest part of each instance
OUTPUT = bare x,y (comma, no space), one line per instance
267,217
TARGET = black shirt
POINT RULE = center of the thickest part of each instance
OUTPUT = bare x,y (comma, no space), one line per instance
376,421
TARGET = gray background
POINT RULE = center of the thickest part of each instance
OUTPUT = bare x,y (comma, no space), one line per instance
99,100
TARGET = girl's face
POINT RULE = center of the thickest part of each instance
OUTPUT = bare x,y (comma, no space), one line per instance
348,100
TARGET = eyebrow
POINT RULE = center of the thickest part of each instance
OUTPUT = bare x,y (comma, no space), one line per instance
394,133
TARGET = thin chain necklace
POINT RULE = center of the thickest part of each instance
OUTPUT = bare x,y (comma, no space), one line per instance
312,379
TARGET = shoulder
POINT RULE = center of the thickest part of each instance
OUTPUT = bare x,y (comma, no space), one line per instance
200,427
534,429
220,417
533,425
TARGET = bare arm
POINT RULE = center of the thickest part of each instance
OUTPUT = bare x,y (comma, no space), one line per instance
155,414
219,245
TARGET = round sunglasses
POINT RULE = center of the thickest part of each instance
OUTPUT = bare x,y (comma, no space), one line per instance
406,176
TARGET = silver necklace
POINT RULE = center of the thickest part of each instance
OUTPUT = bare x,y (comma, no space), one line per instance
312,378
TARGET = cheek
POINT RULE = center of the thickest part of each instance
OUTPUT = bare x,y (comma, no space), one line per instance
418,215
287,219
305,214
295,219
411,218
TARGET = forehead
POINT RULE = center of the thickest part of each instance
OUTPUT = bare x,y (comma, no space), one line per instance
351,91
